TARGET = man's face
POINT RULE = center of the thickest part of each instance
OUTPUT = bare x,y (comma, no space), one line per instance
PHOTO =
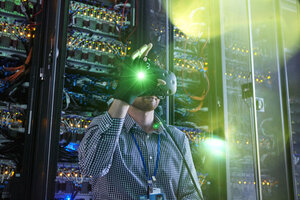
146,103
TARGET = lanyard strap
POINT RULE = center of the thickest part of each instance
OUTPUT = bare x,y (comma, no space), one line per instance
144,163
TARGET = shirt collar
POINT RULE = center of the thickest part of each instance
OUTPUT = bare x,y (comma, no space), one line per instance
129,122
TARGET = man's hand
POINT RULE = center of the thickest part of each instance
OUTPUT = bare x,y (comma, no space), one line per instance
129,86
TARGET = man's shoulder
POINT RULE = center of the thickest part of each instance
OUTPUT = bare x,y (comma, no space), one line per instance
177,134
102,118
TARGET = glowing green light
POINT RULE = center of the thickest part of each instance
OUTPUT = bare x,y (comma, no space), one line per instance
215,146
215,143
156,125
141,75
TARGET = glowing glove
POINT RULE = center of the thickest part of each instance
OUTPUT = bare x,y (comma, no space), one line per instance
136,77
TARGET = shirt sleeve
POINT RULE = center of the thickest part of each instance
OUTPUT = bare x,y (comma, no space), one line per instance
186,187
98,145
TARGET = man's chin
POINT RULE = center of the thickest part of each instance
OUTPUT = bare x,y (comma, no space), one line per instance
146,103
145,107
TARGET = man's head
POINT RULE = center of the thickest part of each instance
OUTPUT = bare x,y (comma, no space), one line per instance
146,103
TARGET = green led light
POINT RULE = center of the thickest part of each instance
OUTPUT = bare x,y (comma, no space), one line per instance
141,75
156,125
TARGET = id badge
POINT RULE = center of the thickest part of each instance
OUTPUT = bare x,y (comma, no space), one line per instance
155,195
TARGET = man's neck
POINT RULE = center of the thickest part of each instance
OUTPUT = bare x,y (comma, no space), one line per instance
143,118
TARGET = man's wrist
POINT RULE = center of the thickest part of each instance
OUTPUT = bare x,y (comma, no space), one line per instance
118,109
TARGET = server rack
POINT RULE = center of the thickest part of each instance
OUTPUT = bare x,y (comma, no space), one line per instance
50,77
99,36
191,105
21,32
252,100
289,12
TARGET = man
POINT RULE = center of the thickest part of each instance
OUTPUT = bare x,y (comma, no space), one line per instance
129,153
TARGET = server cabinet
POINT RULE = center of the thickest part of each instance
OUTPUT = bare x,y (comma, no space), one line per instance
271,137
100,34
257,155
31,84
234,69
190,107
293,114
289,16
20,32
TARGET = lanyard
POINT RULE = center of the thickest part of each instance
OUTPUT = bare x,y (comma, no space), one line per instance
149,180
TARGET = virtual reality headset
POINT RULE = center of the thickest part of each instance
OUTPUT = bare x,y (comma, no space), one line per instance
166,83
155,80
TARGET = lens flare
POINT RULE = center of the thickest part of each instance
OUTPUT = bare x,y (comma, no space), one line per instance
203,19
141,75
189,17
215,146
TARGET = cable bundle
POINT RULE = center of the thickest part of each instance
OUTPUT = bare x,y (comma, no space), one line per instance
18,70
13,149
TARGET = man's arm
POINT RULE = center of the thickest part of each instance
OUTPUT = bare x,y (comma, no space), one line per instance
97,148
118,109
99,143
186,188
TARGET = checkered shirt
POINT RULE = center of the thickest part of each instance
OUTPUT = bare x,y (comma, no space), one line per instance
109,154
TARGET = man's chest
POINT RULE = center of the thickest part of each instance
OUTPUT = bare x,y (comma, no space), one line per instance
133,156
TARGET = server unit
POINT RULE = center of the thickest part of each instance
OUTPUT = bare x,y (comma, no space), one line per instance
98,37
19,33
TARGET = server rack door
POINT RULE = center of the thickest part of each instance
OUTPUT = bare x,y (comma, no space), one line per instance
271,139
289,18
292,73
241,166
50,60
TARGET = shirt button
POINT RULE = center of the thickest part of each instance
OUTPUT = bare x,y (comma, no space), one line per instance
150,157
147,136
